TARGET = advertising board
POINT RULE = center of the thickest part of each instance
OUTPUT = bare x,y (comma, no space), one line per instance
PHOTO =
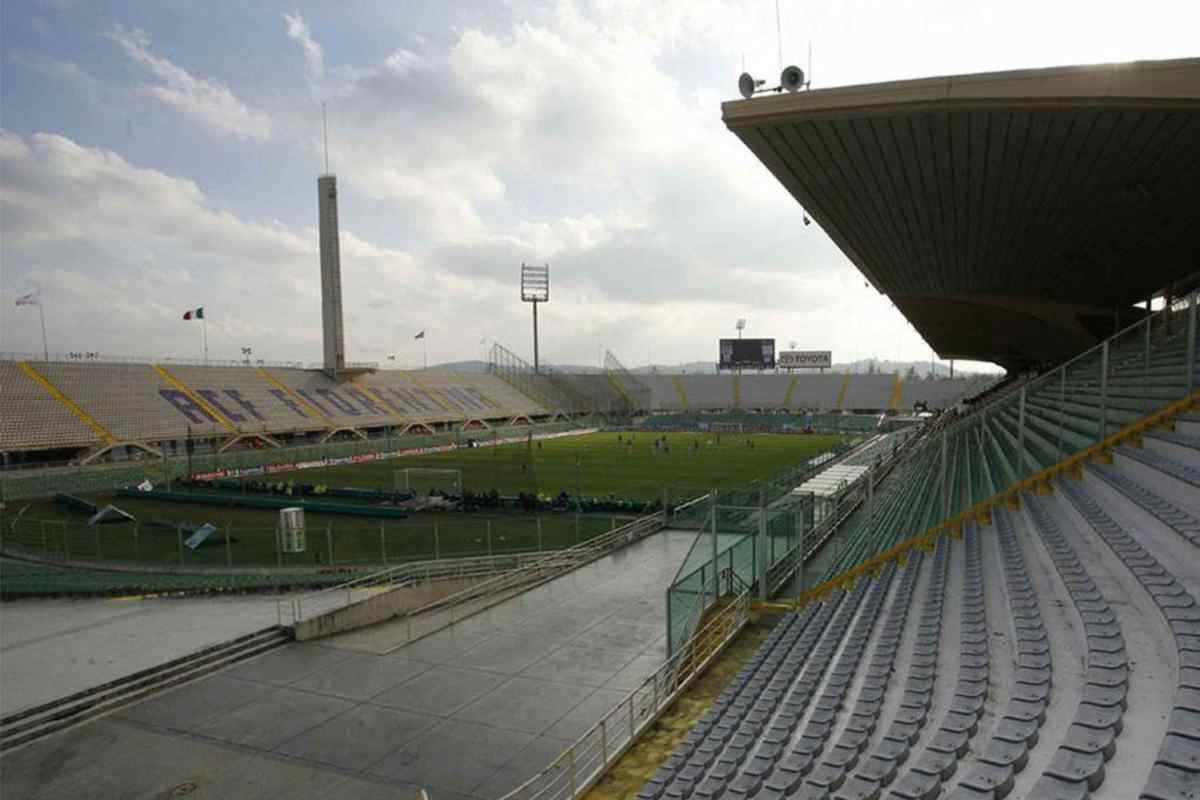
747,354
805,359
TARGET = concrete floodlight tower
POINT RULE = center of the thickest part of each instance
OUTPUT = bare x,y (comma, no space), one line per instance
535,288
331,268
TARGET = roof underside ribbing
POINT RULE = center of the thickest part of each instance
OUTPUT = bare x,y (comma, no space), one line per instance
1012,217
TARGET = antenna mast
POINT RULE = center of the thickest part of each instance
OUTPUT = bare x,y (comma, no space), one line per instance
325,135
779,35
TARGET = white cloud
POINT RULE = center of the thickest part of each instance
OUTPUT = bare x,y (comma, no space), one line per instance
121,251
585,133
298,31
59,69
205,101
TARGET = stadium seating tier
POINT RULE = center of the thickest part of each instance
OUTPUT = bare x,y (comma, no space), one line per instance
1054,653
67,404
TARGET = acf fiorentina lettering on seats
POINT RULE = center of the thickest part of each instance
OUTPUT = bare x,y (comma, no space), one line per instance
413,402
248,472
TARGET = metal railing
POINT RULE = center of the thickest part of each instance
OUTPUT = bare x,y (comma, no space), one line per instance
90,357
1025,429
351,542
634,392
514,370
586,761
522,572
73,478
105,358
290,610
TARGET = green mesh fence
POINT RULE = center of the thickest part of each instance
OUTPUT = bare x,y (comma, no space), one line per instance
146,545
34,483
1032,426
820,423
737,565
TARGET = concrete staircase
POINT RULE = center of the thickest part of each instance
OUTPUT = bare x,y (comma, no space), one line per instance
34,723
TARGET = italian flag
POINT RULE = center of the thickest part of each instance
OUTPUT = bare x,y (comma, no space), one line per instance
194,313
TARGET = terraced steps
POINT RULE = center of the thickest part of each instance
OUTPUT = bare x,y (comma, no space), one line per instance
1055,655
34,723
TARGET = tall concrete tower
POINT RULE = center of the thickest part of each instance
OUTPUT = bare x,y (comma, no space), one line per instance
331,275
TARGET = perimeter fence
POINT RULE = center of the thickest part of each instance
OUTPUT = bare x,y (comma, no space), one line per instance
30,483
585,761
237,546
766,533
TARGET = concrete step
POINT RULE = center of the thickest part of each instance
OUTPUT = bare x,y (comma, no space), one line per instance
39,721
1188,424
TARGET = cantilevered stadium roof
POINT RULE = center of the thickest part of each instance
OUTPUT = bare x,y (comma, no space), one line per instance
1009,216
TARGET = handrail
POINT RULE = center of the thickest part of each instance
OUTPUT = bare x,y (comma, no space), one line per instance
102,358
400,575
567,558
704,498
1126,376
91,357
583,763
981,511
1148,319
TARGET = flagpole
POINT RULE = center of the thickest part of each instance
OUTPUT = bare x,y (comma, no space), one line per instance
425,348
42,314
205,326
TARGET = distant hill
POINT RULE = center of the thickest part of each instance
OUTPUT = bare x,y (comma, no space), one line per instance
469,367
863,366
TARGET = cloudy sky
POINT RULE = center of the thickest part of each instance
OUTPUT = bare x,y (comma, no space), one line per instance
156,156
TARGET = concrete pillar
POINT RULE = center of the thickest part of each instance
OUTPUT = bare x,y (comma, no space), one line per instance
716,581
1021,435
762,549
1103,391
1191,343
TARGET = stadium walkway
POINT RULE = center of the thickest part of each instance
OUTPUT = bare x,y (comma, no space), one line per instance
469,712
55,647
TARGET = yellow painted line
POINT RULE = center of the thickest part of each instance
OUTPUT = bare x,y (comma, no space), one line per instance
528,391
894,403
70,404
499,408
278,384
769,606
616,384
361,385
678,383
791,391
437,398
841,398
195,398
982,511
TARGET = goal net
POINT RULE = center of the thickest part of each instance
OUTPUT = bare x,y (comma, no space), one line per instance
725,427
422,480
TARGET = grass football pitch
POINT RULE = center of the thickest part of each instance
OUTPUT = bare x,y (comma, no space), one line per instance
592,465
626,465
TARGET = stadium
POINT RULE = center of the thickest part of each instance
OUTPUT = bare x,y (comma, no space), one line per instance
760,583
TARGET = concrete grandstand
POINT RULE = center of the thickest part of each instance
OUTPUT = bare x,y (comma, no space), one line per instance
847,392
89,408
1015,611
1001,601
70,410
1001,212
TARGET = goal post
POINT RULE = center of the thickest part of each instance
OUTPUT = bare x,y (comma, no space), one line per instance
725,427
420,480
